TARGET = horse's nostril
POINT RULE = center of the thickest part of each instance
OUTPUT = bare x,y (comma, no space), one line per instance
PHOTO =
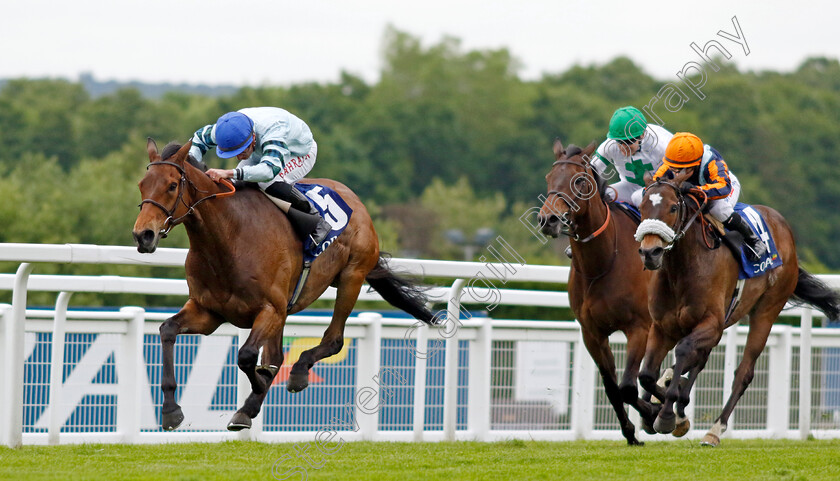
144,238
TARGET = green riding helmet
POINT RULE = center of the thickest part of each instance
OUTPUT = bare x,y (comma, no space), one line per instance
627,123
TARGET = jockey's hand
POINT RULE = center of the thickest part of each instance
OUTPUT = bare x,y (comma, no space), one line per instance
217,174
686,187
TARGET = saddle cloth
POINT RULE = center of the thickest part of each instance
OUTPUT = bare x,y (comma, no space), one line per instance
631,211
334,210
772,259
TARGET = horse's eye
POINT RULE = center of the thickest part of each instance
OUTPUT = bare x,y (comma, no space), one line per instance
673,208
173,186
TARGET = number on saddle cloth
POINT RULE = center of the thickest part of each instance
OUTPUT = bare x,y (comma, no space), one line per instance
334,210
770,261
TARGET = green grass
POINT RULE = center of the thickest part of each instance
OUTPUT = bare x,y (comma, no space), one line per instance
763,460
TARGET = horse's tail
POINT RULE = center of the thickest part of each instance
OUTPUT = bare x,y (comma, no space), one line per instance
815,292
400,292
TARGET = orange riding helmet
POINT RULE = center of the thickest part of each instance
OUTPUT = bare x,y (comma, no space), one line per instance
684,150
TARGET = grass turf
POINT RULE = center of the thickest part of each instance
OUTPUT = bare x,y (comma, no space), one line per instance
772,460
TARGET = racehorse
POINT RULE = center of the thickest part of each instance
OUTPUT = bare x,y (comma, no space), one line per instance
607,284
242,266
692,289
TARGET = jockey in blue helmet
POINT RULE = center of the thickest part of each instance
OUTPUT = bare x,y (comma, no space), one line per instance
275,150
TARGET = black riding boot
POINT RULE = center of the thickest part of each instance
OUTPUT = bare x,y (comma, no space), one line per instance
756,249
304,217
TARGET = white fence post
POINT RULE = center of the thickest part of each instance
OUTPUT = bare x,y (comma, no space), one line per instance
368,396
5,320
15,328
778,386
806,321
730,363
583,391
450,373
481,355
57,367
420,362
130,373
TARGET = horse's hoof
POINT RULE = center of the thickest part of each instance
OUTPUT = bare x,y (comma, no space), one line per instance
710,440
239,421
171,420
647,427
297,382
683,426
665,425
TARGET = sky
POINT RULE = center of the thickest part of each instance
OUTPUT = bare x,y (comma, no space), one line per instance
263,42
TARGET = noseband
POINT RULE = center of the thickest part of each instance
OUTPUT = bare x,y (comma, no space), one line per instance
565,219
169,223
681,225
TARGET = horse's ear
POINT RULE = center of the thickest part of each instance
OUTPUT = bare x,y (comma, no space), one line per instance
558,148
590,149
648,178
152,149
182,153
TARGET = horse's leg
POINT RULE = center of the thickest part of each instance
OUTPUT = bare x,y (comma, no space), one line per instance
692,351
349,286
191,319
683,423
658,346
599,349
760,325
636,344
266,333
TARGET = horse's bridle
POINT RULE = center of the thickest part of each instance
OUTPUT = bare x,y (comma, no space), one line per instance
565,219
682,224
169,223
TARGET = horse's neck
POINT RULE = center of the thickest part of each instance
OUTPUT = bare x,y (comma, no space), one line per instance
596,255
212,220
687,261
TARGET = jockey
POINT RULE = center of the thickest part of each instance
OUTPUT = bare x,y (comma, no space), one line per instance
711,175
275,150
634,147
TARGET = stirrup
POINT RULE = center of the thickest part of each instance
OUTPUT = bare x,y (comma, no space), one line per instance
753,254
322,230
568,252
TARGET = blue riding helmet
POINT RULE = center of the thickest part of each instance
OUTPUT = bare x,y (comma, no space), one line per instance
233,134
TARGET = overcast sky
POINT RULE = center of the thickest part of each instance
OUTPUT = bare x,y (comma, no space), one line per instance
262,42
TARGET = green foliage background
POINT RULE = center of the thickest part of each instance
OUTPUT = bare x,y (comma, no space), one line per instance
447,138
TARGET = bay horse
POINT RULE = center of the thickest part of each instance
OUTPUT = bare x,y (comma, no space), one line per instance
607,284
692,289
242,266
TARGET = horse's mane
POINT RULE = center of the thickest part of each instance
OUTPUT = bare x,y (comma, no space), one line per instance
573,150
172,147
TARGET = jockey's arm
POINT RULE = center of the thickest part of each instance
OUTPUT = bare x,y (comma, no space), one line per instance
718,185
202,141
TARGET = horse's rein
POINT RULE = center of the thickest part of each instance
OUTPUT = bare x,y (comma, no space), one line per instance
169,223
565,218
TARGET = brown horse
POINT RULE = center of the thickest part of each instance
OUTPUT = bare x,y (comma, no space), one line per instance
242,267
607,284
692,290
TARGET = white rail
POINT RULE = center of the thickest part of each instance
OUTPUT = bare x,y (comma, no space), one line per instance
474,283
